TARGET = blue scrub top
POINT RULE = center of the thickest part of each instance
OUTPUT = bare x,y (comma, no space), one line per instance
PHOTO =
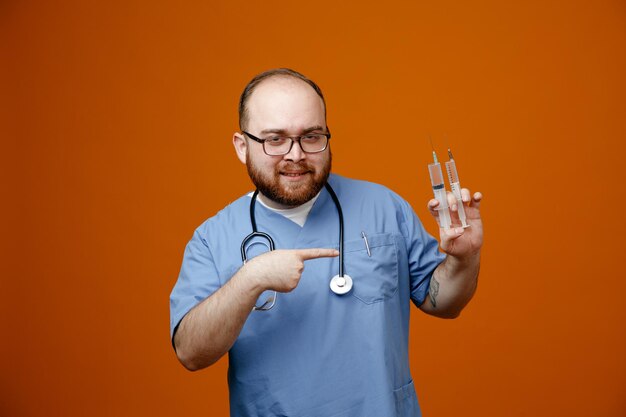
317,353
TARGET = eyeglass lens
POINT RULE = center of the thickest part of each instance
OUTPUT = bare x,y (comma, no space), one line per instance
282,145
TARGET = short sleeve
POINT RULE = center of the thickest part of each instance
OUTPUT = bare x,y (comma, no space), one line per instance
423,253
197,280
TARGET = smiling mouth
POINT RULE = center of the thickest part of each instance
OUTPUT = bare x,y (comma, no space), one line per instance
294,174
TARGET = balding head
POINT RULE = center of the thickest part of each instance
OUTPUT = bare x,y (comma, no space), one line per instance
244,115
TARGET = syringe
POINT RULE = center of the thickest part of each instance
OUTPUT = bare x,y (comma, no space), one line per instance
455,185
436,179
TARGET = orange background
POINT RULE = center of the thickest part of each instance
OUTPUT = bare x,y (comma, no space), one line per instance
116,124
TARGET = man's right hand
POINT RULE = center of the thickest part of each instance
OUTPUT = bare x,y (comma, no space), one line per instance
209,330
280,270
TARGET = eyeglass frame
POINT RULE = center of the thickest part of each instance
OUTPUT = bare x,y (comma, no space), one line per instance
293,140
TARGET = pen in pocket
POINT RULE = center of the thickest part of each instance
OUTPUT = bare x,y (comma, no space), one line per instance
367,246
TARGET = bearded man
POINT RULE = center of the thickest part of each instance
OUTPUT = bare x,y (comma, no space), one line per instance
335,341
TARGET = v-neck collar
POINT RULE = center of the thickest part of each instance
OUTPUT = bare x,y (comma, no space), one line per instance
291,233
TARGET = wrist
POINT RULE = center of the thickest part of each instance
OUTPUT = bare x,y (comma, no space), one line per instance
462,262
247,278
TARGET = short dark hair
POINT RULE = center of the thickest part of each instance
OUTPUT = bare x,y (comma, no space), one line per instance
277,72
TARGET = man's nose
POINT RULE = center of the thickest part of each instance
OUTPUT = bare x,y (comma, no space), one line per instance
296,153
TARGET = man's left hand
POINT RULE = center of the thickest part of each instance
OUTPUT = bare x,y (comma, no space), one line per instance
457,241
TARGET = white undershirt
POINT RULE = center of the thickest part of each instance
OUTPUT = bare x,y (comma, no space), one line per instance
297,215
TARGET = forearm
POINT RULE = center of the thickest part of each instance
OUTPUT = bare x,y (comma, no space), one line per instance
452,286
210,329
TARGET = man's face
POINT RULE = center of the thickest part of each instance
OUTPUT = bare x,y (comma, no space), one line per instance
285,107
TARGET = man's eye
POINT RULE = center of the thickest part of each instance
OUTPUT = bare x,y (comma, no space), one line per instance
312,138
275,140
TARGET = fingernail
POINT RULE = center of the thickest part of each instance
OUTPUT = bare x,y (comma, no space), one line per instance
459,230
454,207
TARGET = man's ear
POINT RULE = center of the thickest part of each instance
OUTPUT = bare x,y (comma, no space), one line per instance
241,146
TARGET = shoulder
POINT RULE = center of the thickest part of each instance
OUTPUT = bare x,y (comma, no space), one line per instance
364,190
377,206
226,219
346,184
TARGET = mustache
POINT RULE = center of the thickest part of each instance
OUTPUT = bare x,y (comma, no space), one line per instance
295,166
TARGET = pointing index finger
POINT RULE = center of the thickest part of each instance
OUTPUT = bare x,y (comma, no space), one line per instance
315,253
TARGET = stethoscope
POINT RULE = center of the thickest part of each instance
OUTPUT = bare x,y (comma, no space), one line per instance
339,284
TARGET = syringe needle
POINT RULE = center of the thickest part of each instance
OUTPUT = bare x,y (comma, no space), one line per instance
433,148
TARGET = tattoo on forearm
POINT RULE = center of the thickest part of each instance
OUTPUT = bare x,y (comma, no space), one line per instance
433,291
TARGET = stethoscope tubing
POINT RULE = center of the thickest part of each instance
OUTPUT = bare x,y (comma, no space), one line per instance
340,213
271,245
255,232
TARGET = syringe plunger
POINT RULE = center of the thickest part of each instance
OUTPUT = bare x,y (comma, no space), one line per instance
439,189
455,185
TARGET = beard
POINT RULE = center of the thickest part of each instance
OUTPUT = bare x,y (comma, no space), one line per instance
291,195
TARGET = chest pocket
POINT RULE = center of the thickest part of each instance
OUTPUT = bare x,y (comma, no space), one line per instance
374,274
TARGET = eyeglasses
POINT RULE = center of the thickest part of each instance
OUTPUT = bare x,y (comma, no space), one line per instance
281,145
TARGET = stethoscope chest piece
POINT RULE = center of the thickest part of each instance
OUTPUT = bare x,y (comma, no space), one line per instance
341,284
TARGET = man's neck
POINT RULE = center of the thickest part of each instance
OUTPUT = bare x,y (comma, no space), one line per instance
267,202
297,214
